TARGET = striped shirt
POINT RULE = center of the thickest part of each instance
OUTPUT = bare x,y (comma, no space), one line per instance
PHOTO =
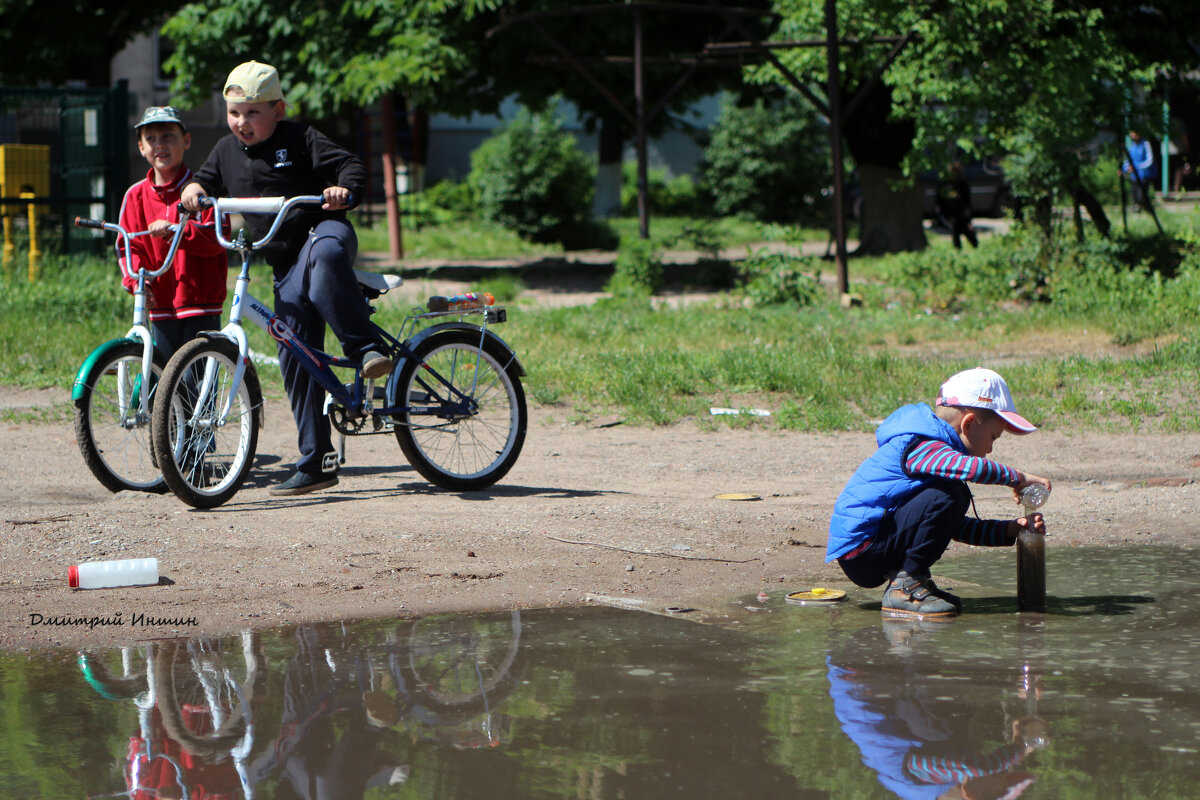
936,459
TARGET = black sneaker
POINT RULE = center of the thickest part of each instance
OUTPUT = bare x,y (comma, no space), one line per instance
913,596
303,483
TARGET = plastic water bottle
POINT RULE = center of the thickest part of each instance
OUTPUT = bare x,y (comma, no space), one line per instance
106,574
460,302
1031,554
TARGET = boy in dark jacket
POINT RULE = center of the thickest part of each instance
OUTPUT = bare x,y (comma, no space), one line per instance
187,298
903,506
312,254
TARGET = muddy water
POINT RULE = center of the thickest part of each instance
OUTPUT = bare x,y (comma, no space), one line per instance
1097,697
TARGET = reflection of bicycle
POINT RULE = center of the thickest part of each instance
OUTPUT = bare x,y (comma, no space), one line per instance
111,394
194,713
454,400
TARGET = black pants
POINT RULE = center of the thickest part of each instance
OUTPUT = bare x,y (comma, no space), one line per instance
319,288
172,334
914,537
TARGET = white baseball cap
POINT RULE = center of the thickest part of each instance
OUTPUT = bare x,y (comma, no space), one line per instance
983,388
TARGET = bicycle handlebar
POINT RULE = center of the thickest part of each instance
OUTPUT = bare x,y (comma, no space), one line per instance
126,236
278,206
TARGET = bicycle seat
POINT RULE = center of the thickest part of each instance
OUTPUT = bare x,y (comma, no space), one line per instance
375,284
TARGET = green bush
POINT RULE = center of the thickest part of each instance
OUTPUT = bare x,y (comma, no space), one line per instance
778,278
449,200
768,162
532,177
677,196
639,269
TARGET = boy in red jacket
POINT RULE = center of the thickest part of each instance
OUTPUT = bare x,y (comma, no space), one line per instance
189,297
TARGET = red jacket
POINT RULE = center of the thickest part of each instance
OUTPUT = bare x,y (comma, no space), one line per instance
196,283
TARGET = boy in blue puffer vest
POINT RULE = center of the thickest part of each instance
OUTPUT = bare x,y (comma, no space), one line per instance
903,506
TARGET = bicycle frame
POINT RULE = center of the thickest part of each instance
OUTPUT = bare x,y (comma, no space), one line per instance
140,329
316,362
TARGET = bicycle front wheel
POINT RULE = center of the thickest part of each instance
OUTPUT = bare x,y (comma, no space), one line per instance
456,443
112,428
205,455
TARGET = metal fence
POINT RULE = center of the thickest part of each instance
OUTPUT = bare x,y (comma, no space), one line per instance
70,152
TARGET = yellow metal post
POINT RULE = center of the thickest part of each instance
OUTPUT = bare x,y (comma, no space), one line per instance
34,251
9,245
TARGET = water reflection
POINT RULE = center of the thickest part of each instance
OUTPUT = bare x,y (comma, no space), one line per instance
1097,697
924,736
208,727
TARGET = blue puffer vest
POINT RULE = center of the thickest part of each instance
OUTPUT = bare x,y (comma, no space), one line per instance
879,485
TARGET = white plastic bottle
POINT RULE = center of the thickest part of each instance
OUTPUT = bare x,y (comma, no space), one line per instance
106,574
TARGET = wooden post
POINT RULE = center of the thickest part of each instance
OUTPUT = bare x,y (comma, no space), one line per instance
395,237
639,96
835,141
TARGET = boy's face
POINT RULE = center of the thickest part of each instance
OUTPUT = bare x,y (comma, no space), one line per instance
162,145
253,123
979,432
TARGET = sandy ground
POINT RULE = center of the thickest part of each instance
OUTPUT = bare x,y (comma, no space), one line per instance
588,514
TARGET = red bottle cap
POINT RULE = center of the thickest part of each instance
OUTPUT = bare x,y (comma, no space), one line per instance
73,577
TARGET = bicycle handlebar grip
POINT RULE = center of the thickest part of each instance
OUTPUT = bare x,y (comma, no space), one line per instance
251,205
81,222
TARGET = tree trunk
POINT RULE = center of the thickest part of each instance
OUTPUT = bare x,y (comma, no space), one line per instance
608,176
891,219
1096,211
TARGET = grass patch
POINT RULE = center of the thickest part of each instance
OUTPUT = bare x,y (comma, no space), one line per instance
1111,345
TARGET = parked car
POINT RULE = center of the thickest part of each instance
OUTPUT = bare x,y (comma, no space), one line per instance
991,194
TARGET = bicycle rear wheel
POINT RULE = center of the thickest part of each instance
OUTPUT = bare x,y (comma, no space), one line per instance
111,427
456,448
204,456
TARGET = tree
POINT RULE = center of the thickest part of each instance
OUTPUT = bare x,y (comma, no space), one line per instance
547,51
70,40
1034,78
330,55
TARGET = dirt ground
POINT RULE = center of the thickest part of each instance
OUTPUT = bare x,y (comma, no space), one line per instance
612,513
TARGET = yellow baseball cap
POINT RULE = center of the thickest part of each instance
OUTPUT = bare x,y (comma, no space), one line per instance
259,83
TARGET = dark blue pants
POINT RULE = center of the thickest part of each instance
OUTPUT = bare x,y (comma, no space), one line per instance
321,288
914,537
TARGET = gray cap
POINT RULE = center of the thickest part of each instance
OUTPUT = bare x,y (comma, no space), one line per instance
155,114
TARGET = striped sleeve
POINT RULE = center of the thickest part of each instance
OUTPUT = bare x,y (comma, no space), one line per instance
984,532
939,460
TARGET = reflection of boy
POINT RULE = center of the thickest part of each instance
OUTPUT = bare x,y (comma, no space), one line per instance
187,298
903,506
312,254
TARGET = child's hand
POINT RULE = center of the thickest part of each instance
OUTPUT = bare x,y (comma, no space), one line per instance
190,197
160,228
336,198
1029,480
1034,521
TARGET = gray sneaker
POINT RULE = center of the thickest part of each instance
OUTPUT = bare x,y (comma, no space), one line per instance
916,595
375,365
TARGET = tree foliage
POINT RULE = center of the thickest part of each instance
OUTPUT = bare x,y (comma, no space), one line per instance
1032,79
330,55
66,40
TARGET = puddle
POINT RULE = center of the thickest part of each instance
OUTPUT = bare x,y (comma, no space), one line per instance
1098,697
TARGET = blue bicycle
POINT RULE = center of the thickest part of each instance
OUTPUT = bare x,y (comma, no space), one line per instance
454,399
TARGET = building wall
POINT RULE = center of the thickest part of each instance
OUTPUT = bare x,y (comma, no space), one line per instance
451,139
